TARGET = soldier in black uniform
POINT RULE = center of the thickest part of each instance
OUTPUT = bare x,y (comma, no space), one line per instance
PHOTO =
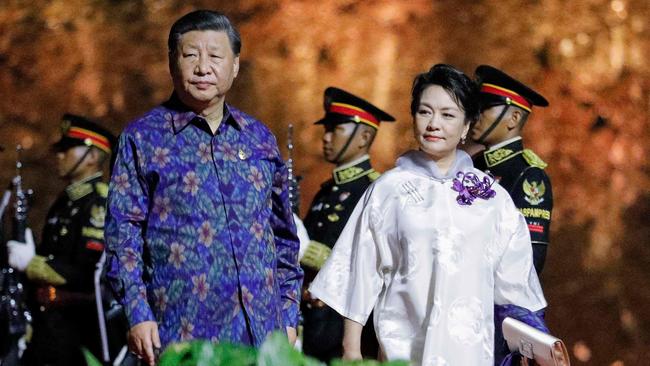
61,269
350,127
506,105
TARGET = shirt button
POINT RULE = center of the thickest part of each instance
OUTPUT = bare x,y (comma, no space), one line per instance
319,224
327,205
335,188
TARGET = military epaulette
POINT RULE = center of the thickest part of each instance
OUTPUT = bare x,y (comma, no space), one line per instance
102,189
533,160
77,191
374,175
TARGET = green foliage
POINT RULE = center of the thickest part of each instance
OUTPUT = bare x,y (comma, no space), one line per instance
205,353
368,363
90,359
275,351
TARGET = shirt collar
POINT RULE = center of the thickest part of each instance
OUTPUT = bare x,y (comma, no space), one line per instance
503,143
181,115
420,162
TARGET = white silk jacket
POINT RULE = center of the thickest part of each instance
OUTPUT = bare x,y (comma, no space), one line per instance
431,268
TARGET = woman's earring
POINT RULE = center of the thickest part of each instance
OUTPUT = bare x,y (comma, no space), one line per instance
462,139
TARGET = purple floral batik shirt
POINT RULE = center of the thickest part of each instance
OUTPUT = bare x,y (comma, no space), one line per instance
199,231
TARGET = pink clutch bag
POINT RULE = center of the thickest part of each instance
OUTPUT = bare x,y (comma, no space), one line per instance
545,349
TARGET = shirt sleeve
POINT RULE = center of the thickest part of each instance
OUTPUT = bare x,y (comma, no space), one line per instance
125,221
289,272
351,279
533,195
516,281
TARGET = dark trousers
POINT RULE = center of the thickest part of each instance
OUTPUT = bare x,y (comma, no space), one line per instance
59,334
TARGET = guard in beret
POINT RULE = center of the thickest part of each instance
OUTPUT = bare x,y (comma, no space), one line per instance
506,105
350,124
60,270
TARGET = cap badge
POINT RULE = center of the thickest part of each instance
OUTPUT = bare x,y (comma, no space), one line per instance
65,126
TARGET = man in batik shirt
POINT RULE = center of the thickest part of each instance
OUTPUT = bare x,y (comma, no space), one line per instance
200,237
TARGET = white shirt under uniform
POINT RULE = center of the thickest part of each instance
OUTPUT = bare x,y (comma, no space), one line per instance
431,268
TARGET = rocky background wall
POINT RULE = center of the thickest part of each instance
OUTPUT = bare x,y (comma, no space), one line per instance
107,59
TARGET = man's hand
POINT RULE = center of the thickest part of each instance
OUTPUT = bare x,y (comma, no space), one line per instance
143,338
20,254
292,335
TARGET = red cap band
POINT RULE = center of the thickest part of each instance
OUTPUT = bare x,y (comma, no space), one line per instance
516,99
95,139
357,113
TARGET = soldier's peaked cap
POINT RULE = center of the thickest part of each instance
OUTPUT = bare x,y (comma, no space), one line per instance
499,88
343,107
81,131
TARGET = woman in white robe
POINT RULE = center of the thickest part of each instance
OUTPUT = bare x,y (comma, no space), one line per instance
433,244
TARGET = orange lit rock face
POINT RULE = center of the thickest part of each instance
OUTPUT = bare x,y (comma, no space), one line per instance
109,60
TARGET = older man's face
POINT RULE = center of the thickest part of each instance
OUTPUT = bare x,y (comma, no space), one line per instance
204,68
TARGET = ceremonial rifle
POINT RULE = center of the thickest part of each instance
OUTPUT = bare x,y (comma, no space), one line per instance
14,315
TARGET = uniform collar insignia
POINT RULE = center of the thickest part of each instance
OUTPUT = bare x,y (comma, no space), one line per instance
503,152
83,187
353,170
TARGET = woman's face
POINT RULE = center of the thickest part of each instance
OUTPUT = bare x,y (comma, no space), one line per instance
439,123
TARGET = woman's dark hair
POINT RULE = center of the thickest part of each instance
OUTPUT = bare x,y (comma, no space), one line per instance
203,20
460,87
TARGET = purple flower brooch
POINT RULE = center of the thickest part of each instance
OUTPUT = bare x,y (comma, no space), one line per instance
470,187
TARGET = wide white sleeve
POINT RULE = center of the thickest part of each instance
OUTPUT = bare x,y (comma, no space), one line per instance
351,279
515,279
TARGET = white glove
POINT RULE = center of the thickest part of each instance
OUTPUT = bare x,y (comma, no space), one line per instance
303,236
20,254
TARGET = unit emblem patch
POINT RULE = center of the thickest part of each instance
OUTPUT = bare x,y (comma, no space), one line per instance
534,192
